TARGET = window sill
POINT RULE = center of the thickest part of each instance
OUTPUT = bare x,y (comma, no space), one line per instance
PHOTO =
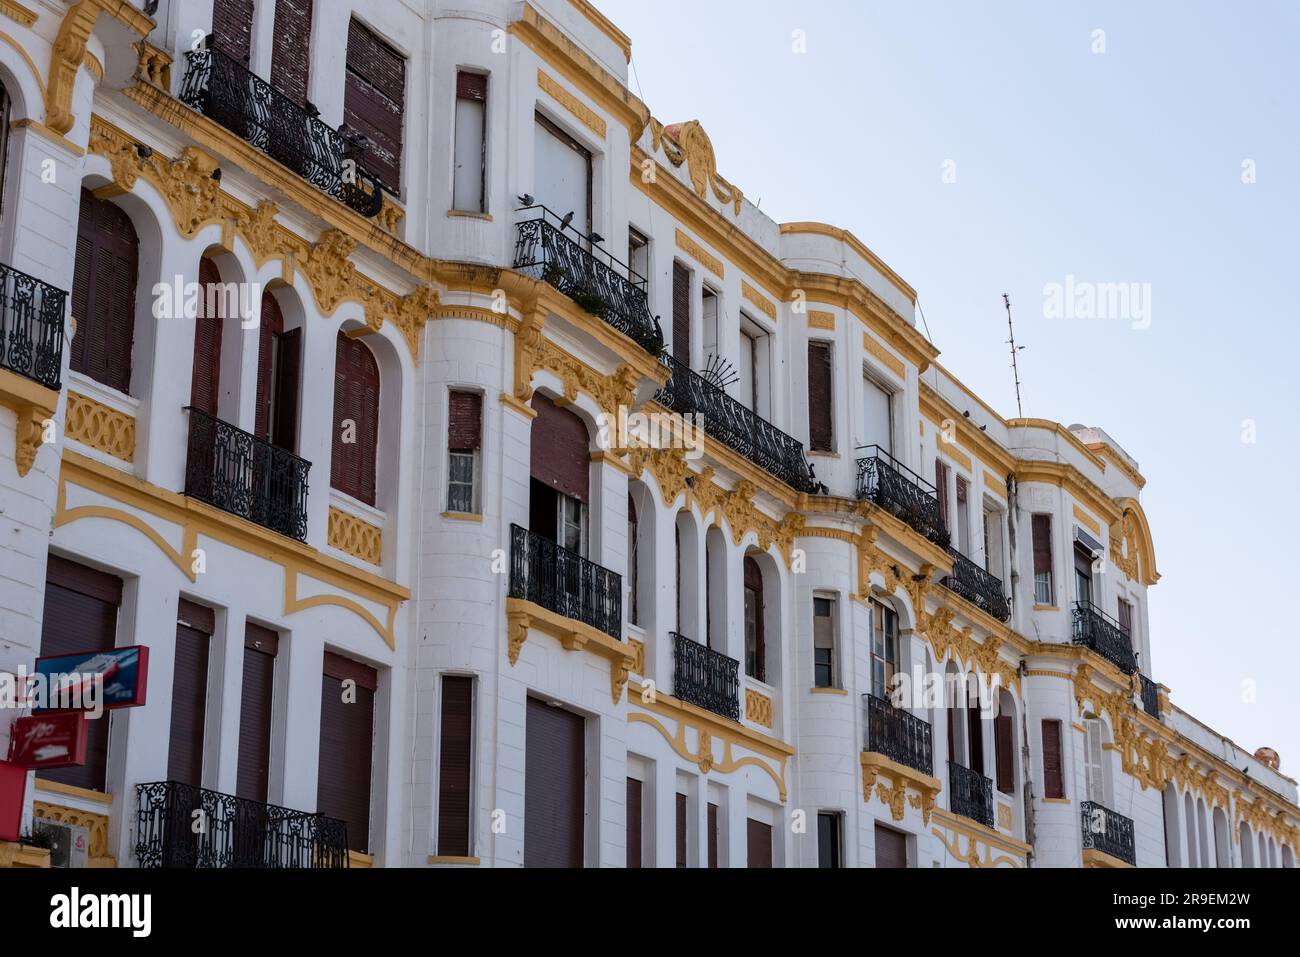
463,517
1056,800
1046,608
834,691
461,214
462,861
816,454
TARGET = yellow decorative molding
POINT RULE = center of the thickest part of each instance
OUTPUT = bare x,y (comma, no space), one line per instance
759,301
852,241
71,790
994,484
957,455
69,52
358,538
1048,673
463,517
16,11
589,117
950,828
1104,451
21,855
605,26
951,420
358,860
521,616
1087,521
688,143
1004,816
880,353
96,825
100,426
891,781
839,692
1131,549
701,255
1094,858
638,656
34,405
820,319
155,66
758,708
443,859
1067,477
93,66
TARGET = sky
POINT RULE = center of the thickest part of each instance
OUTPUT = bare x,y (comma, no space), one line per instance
983,148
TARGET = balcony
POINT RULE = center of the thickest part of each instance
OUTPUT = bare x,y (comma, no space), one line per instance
1095,629
1107,832
564,582
977,586
1150,697
970,794
549,249
225,91
727,420
706,678
31,327
241,474
899,736
236,832
901,492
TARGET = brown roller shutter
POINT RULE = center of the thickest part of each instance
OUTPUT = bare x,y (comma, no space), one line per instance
194,628
976,727
561,456
471,86
288,372
81,615
682,314
633,823
205,387
681,830
891,847
232,28
270,328
759,842
464,429
554,774
356,399
1053,785
821,431
454,766
1042,528
373,101
347,727
290,46
713,837
1005,756
254,764
1125,617
103,294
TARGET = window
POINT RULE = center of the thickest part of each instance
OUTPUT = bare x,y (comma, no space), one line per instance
1126,618
963,516
347,730
758,840
1004,756
291,48
561,473
232,28
710,315
638,255
993,540
681,830
713,837
681,314
878,415
4,141
469,181
975,725
455,764
891,847
563,176
1044,592
884,649
941,487
633,532
573,525
554,786
464,445
353,465
829,844
1082,575
279,365
634,795
374,98
821,430
755,651
1053,779
823,642
752,367
253,771
205,387
195,626
103,293
1094,761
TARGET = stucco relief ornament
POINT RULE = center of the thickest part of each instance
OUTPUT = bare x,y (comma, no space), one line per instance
329,270
191,191
688,143
258,227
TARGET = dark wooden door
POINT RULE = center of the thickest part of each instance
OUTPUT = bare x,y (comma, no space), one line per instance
759,844
347,728
103,293
554,778
205,387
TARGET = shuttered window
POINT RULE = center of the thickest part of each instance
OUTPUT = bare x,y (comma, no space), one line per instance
755,647
374,99
205,388
455,757
1042,534
347,728
878,415
1053,782
759,844
464,440
194,630
290,48
81,615
891,847
253,772
713,837
469,179
823,642
633,562
975,725
4,141
356,420
1004,735
554,772
561,456
1094,762
279,369
821,430
682,314
941,486
232,28
103,293
681,830
1126,617
634,824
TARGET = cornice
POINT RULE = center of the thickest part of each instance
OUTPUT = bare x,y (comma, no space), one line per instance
938,409
847,238
606,26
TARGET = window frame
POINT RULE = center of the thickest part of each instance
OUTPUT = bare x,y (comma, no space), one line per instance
831,665
483,139
881,615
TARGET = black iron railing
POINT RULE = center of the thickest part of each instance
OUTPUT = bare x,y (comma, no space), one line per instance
898,735
900,491
550,249
241,474
1106,831
178,825
727,420
564,582
977,586
227,92
31,327
1095,629
971,794
706,678
1150,696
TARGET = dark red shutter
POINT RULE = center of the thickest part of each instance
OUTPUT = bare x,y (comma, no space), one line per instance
464,429
554,774
821,431
288,373
347,726
290,48
205,387
471,86
232,28
633,823
454,766
713,837
754,583
891,848
952,731
194,629
1005,756
356,397
962,490
941,486
759,841
976,727
561,449
272,324
81,615
682,314
103,296
1125,617
1053,784
681,830
1042,528
374,99
253,771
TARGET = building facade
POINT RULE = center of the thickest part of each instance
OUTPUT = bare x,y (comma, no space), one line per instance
494,485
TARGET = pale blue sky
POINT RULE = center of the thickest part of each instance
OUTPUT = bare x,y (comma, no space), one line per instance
1119,167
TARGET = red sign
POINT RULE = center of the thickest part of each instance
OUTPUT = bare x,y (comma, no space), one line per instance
13,786
47,741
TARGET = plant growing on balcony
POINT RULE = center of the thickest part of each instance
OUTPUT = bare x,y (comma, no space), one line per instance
593,302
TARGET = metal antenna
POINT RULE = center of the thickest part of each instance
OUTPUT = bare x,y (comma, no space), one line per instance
1015,368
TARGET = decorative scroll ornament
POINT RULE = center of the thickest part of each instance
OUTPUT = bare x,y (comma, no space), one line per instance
1124,546
688,143
186,182
333,276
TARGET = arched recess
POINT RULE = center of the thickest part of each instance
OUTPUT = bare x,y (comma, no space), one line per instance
355,428
761,618
1189,815
1173,841
1203,833
280,334
222,303
1222,848
1288,856
1132,548
954,706
1006,726
1247,845
688,549
715,590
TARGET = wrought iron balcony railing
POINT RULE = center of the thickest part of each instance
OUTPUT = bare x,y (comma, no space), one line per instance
1095,629
31,327
898,735
901,492
1150,697
564,582
706,678
549,249
971,794
977,586
241,474
227,92
231,831
1106,831
727,420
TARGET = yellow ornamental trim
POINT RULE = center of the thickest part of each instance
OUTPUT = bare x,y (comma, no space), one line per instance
758,708
357,538
589,117
101,427
16,11
759,301
701,255
820,319
883,355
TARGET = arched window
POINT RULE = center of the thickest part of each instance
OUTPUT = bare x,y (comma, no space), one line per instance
755,649
1004,737
356,419
103,293
633,533
205,387
279,361
4,141
1094,761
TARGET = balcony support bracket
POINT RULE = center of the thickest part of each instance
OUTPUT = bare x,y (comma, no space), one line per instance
523,616
891,782
34,405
